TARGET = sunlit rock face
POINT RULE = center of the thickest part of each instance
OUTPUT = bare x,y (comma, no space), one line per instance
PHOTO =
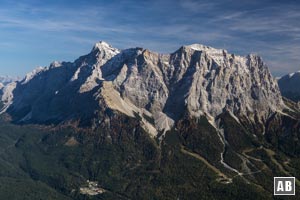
158,88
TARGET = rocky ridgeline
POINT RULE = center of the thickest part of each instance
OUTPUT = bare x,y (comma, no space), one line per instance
157,88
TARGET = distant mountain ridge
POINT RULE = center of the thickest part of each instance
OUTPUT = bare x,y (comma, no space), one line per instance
289,86
4,80
8,79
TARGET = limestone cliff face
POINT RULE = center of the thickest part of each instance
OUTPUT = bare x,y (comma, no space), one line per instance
159,88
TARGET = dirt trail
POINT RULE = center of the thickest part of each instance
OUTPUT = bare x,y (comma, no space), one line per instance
223,179
271,154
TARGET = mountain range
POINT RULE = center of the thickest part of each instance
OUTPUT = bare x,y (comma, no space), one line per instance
193,124
196,79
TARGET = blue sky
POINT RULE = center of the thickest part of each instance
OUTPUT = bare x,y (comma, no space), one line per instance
35,33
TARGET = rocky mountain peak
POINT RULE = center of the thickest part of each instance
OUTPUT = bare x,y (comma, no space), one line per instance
197,80
105,47
102,52
55,64
101,44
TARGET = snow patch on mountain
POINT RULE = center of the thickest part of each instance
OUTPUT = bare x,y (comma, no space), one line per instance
294,73
103,53
55,64
289,86
32,74
216,54
7,96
